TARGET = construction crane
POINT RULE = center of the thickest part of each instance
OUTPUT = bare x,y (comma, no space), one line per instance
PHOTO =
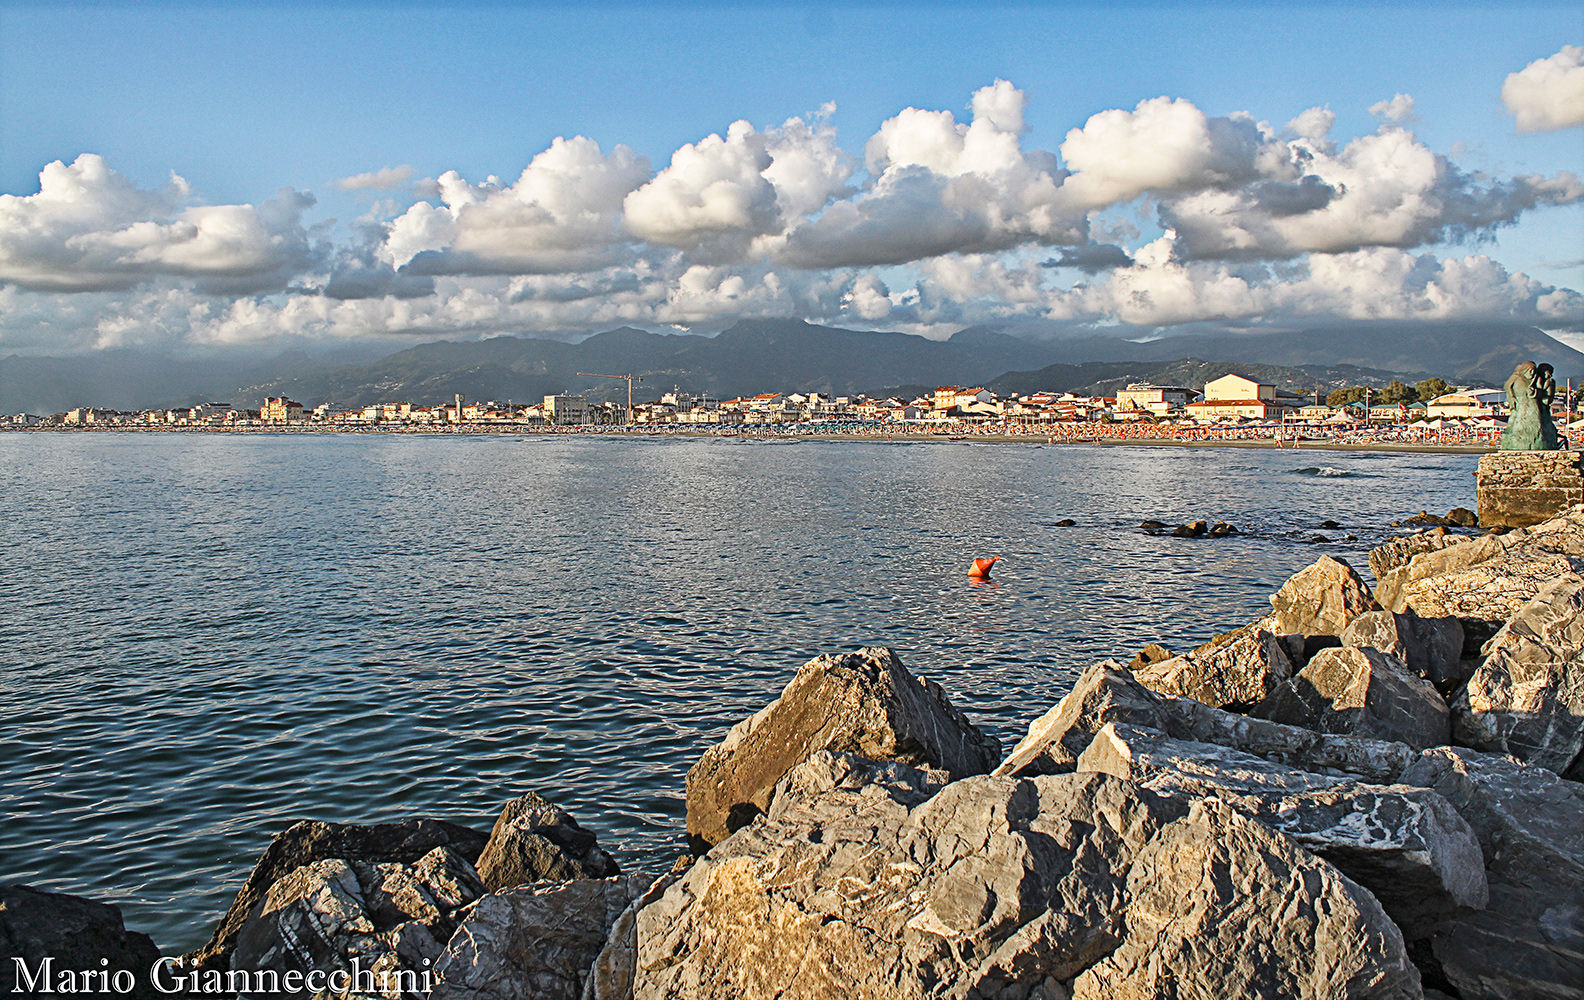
630,379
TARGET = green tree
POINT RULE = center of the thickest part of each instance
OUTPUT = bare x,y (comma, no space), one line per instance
1430,388
1397,392
1342,397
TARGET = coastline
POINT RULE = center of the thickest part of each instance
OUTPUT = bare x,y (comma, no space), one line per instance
902,438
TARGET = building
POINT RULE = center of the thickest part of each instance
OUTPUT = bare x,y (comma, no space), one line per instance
566,409
280,410
1157,400
1237,396
1466,404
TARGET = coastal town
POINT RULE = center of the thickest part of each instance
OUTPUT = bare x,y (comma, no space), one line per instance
1229,408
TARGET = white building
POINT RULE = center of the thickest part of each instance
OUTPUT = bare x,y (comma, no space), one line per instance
564,408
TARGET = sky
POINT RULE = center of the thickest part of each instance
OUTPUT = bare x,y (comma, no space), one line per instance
210,177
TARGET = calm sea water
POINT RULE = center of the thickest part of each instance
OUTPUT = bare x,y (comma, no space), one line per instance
203,638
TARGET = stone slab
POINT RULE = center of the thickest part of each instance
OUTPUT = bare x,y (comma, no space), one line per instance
1516,489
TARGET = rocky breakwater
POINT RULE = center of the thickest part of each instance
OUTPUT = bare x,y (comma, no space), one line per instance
1366,793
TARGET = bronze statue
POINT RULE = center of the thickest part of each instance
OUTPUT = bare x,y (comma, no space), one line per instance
1530,390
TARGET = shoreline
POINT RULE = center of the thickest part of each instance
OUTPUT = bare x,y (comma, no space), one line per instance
899,438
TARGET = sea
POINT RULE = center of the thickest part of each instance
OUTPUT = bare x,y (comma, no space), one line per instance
204,637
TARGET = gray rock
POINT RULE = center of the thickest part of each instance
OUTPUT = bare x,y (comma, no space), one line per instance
1528,943
307,841
1397,552
1236,670
1406,844
852,887
535,839
1223,907
533,942
1107,693
1320,599
54,934
866,703
388,920
614,970
1430,647
1363,692
1527,698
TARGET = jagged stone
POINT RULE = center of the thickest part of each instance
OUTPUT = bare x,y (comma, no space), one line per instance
614,971
1152,652
1527,698
307,841
1430,647
856,885
53,933
1108,693
1320,599
1222,907
535,839
384,920
1528,942
1406,844
533,942
1237,670
1363,692
865,703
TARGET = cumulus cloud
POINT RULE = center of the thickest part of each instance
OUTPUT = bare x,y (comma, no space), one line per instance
383,179
1547,94
1398,109
89,228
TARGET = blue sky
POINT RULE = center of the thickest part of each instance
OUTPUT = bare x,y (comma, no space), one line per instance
243,100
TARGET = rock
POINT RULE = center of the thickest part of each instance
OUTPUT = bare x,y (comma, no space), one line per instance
1396,552
1363,692
1330,524
1194,529
1462,517
1237,670
1406,844
1430,647
1065,522
1529,941
1223,907
1221,529
1318,539
534,839
54,934
1424,517
1527,698
1152,525
864,703
614,970
1107,693
533,942
1320,599
993,887
1520,488
308,841
387,919
1152,653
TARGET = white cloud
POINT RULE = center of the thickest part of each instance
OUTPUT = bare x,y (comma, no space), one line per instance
1548,93
1315,125
383,179
1398,109
89,228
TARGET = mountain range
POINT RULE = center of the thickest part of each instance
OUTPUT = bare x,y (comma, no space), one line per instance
789,355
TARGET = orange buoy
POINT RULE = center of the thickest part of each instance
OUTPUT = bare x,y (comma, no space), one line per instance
981,568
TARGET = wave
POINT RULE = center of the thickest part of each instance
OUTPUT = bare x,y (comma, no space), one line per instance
1324,471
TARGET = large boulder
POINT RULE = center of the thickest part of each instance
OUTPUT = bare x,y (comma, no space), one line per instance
1397,552
1363,692
1235,670
1430,647
54,935
533,942
1406,844
535,839
1222,907
307,841
1320,599
1107,693
860,883
1527,698
382,923
865,703
1528,943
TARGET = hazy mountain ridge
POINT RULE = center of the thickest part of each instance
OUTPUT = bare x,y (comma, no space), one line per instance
784,356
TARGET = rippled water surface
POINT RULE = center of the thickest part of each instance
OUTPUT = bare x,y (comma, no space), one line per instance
203,638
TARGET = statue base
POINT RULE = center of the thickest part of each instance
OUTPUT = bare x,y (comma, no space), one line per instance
1518,488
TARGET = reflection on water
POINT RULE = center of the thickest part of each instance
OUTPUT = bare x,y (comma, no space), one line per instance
205,638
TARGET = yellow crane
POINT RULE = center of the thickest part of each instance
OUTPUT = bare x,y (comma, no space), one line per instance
630,379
